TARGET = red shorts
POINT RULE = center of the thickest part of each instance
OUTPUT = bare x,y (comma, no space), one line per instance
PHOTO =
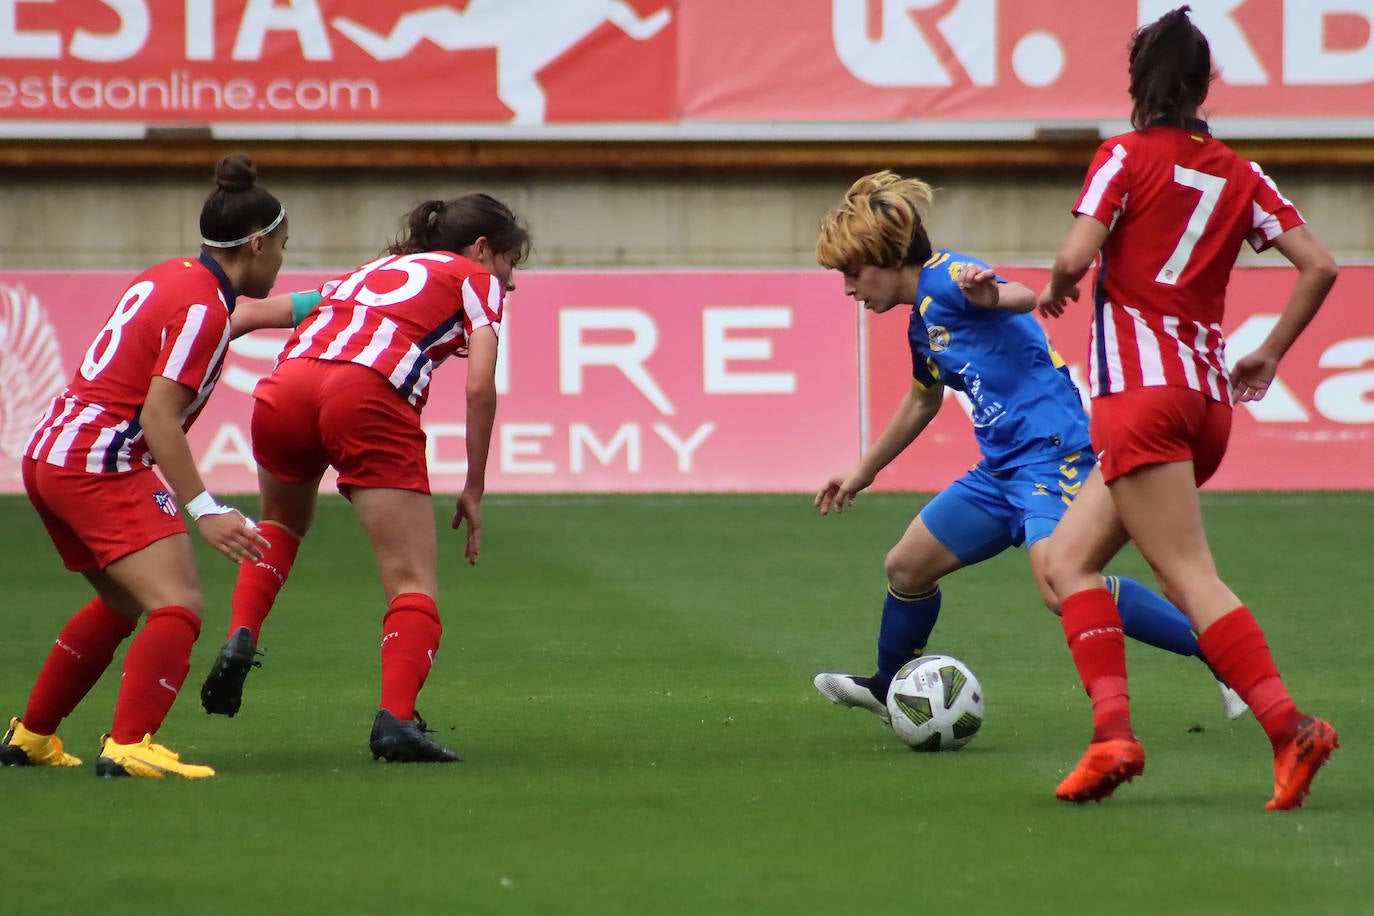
311,414
1144,426
95,519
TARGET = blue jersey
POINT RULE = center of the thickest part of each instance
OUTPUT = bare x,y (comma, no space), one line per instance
1025,407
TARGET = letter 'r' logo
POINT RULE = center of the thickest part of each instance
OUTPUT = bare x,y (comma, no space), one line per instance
890,42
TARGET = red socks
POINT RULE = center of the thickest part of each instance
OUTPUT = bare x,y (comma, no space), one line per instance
1235,647
84,649
154,670
1092,626
259,583
410,637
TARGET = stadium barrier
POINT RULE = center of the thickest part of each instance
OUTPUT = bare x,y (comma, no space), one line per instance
677,381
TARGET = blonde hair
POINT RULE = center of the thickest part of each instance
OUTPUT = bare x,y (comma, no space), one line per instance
881,222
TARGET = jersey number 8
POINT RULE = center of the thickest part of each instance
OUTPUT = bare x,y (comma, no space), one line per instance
107,341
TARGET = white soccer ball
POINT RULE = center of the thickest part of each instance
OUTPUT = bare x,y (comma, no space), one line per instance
936,703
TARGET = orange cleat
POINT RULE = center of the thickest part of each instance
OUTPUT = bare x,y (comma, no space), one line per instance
1105,765
1298,762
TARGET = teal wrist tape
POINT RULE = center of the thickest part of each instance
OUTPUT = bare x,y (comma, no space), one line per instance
303,304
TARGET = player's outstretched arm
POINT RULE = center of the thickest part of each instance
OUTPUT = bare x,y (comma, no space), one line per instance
980,286
1252,374
913,415
481,417
1075,257
284,310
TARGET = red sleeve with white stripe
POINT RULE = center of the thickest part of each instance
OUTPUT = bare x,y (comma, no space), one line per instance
1105,188
1271,214
192,343
483,298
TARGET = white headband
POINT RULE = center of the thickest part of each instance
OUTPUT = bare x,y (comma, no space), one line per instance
250,236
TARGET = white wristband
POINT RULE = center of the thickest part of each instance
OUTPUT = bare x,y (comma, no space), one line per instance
205,504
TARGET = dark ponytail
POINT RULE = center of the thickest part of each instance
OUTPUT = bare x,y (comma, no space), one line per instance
1171,71
452,225
237,207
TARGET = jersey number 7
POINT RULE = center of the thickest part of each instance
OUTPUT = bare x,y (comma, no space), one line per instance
1211,187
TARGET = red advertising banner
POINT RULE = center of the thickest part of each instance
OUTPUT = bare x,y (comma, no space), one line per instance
608,381
217,61
833,68
851,60
1314,429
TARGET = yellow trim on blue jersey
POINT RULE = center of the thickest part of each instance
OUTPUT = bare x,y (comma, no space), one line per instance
934,371
1058,361
1069,490
925,304
936,259
1067,468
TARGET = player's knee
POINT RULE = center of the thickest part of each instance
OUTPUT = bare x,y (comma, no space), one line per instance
400,578
907,577
189,600
1056,580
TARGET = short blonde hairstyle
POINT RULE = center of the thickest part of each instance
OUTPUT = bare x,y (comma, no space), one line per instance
880,222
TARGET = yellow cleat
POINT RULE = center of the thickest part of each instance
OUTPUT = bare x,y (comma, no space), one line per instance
23,748
145,759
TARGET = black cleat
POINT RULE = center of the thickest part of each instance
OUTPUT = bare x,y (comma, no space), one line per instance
407,741
222,692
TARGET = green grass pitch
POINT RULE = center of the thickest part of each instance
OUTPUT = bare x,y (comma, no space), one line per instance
630,680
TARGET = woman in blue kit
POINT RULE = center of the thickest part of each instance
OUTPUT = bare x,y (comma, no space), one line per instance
970,331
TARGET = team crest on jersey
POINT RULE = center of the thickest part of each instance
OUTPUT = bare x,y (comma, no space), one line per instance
166,502
939,338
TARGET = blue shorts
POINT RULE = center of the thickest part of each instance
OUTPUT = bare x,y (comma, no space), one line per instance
983,513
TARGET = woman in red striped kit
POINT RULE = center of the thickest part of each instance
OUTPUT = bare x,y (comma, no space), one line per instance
88,470
1166,208
347,393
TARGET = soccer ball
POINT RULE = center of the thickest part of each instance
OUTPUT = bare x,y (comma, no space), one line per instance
936,703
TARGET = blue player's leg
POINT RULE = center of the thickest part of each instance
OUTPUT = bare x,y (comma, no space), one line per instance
951,532
1149,618
915,565
958,528
1146,616
1153,620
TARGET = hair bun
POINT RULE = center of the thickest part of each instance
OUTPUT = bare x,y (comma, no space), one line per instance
235,172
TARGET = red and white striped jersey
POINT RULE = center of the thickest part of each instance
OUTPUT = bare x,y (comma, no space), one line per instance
1178,205
173,321
401,315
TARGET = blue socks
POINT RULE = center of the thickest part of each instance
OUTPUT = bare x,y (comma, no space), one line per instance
1150,619
909,619
905,630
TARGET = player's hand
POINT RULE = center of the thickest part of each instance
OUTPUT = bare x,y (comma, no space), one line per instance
839,491
1052,306
1252,375
469,507
233,535
979,286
